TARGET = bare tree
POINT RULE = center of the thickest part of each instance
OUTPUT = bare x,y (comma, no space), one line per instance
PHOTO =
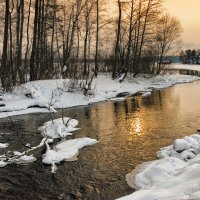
167,38
78,33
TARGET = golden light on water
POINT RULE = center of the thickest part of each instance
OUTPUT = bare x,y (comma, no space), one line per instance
138,125
136,122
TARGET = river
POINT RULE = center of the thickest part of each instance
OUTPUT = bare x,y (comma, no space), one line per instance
129,133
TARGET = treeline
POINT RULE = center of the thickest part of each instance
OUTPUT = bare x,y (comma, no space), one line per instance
190,56
136,37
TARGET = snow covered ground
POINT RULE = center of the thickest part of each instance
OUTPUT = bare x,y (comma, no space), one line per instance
175,176
48,95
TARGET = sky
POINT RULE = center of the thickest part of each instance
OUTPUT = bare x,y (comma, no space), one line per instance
188,11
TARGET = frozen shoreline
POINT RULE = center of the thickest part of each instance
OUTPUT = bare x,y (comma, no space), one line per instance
49,95
175,176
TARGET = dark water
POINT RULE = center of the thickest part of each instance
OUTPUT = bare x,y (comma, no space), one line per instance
129,133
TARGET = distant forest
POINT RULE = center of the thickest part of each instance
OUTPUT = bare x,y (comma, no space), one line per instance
190,56
135,37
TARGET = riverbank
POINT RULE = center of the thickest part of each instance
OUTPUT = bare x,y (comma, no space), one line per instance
48,95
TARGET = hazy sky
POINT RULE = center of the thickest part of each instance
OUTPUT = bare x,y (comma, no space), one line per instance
188,11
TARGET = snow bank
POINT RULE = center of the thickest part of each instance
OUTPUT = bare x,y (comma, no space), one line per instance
175,176
48,95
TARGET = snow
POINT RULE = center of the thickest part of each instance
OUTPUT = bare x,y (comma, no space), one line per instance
184,148
1,134
33,93
49,95
3,145
176,175
185,66
146,94
26,159
59,128
17,153
180,145
66,151
2,163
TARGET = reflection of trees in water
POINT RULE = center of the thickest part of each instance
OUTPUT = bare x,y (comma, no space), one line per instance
167,100
136,116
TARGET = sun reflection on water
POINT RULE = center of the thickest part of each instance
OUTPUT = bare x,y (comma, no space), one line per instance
138,125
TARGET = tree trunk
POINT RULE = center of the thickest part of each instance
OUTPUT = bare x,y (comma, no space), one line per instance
97,38
116,56
4,64
34,43
27,41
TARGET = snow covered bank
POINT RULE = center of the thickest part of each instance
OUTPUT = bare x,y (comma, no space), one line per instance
185,66
176,175
47,95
